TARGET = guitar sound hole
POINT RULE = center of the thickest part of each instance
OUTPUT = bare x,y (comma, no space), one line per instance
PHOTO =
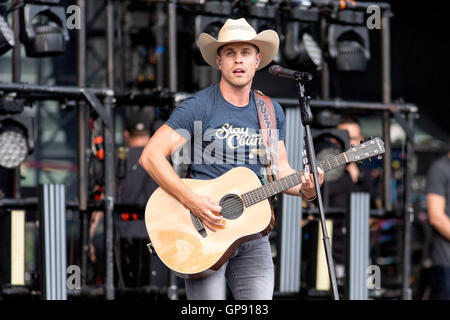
232,206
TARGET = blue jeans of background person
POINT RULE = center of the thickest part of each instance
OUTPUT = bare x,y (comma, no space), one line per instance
440,282
249,273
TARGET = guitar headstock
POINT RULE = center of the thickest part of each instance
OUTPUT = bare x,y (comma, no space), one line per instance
365,150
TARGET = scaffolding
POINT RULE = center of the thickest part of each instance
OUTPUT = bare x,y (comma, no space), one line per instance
103,100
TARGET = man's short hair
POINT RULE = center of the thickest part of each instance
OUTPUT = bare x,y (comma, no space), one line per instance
348,118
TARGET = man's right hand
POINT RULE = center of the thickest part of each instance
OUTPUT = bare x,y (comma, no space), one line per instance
154,160
207,211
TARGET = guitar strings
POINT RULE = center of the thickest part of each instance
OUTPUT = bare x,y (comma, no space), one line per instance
260,193
255,195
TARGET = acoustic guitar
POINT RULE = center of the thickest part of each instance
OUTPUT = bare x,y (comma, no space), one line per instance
191,250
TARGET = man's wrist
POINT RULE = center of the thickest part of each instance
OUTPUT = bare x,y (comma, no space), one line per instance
306,198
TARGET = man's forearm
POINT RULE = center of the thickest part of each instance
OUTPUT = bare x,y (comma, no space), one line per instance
296,190
442,225
163,173
436,205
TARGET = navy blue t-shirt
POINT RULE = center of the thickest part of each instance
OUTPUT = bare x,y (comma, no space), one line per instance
220,135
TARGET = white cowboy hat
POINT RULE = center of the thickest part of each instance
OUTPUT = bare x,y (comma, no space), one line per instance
239,30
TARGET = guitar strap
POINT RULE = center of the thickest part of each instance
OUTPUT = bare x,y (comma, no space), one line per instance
268,123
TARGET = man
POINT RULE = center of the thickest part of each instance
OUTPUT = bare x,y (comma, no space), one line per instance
228,117
353,128
134,187
354,179
438,205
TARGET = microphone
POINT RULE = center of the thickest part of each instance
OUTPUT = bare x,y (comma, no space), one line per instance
276,70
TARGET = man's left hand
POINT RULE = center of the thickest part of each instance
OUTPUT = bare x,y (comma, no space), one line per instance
307,188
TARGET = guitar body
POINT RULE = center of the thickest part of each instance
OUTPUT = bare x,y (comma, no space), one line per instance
193,251
178,243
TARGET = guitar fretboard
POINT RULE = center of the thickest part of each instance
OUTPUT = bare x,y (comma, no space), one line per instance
280,185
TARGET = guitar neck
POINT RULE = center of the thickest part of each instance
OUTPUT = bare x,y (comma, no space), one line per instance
285,183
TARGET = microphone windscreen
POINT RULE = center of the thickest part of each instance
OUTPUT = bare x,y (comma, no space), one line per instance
274,69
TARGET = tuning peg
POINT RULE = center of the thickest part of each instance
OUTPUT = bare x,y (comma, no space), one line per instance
380,157
371,138
362,141
352,145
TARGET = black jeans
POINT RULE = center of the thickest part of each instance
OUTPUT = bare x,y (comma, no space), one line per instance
440,282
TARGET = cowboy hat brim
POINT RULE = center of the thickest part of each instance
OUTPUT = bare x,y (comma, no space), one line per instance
267,42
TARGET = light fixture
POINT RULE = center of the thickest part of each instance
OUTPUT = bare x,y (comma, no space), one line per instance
16,131
348,40
300,47
213,16
328,141
43,28
16,140
13,147
261,16
6,34
44,1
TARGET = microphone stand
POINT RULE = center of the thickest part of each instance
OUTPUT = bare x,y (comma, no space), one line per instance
307,118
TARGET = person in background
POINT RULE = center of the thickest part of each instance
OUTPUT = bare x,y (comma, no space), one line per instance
438,207
134,187
355,179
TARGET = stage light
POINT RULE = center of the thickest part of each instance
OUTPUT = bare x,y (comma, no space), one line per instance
261,16
6,36
43,28
348,40
300,47
11,104
16,140
13,147
328,141
16,131
213,16
44,1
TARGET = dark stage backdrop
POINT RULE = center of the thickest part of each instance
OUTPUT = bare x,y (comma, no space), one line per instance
420,67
